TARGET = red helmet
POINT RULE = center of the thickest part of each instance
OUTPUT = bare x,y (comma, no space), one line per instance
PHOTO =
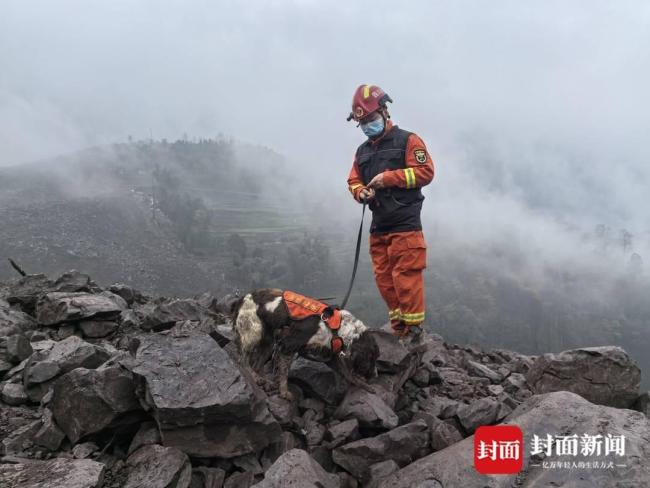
367,99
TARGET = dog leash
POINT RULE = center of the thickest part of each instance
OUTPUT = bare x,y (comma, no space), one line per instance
356,257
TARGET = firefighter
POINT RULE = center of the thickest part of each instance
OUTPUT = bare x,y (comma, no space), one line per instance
388,172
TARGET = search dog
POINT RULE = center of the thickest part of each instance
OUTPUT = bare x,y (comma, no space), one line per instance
266,326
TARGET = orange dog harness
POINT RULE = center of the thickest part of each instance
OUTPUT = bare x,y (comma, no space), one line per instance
301,307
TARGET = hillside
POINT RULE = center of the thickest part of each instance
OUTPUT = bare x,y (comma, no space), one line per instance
179,218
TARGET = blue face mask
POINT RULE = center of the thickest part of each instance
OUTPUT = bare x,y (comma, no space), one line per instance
374,128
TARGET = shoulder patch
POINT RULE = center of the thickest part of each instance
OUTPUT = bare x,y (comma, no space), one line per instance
420,156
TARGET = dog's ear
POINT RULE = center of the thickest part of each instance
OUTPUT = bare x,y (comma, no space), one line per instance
364,353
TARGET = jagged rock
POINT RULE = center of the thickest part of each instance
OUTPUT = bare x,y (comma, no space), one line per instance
56,473
84,450
517,386
190,327
436,352
318,379
204,477
74,281
604,375
158,467
86,401
57,307
483,411
14,322
128,294
368,408
49,435
129,319
25,292
403,445
342,432
97,328
297,468
65,330
541,415
164,315
456,383
382,469
20,439
18,348
64,356
391,352
495,390
202,402
13,394
147,434
442,434
478,369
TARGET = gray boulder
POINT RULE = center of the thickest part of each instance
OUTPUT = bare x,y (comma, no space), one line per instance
604,375
559,413
87,401
26,291
158,467
299,469
201,400
20,439
483,411
14,322
49,435
64,356
368,408
166,313
57,307
391,352
317,379
97,328
477,369
442,434
56,473
74,281
128,294
342,432
13,394
18,348
403,445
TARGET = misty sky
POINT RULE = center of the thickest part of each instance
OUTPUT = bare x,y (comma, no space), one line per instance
535,112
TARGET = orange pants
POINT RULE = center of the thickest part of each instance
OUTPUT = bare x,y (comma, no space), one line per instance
398,260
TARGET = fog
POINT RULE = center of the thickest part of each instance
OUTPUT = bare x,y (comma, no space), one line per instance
535,113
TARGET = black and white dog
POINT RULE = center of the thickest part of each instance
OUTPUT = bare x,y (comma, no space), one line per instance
264,327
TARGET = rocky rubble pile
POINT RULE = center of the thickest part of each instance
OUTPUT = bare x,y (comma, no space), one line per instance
111,388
